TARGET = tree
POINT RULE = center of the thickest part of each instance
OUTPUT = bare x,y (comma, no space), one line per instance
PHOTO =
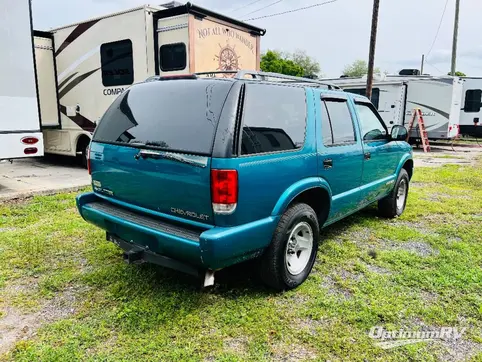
273,61
358,68
458,74
311,68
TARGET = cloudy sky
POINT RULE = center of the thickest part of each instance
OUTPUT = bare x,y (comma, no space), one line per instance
335,34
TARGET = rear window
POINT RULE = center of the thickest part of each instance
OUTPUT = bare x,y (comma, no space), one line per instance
179,115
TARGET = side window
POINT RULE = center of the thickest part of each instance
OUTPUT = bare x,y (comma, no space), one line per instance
173,57
473,100
326,130
372,127
274,119
363,92
117,63
341,122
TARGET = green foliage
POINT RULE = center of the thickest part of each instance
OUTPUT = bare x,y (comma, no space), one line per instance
273,61
358,68
458,74
311,68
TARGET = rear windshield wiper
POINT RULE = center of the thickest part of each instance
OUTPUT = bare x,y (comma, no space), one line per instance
197,161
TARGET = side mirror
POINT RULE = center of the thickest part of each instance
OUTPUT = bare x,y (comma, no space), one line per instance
399,133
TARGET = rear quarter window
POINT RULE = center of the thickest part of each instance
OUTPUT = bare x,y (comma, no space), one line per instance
274,119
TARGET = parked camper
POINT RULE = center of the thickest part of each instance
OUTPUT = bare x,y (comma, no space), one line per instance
92,62
20,134
396,97
471,114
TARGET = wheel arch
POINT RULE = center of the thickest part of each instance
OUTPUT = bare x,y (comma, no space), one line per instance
82,139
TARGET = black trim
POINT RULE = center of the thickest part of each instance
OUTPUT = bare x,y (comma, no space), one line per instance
156,46
43,34
35,66
185,57
405,104
17,132
202,13
78,31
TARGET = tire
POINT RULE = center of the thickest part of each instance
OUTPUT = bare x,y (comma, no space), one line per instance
393,205
285,265
83,155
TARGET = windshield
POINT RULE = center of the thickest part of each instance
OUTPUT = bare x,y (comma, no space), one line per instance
178,115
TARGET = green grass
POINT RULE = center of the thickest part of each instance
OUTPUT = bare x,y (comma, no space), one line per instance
423,269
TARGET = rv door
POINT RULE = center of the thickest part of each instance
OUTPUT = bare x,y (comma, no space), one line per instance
47,80
20,134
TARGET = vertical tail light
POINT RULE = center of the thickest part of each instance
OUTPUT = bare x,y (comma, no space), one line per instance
224,191
88,161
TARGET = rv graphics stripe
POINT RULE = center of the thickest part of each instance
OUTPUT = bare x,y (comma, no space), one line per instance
75,82
66,80
79,120
442,113
78,31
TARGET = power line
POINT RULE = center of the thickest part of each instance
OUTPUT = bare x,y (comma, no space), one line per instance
438,30
433,66
292,11
245,6
264,7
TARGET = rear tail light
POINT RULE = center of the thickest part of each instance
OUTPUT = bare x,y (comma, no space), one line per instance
29,140
88,161
30,150
224,191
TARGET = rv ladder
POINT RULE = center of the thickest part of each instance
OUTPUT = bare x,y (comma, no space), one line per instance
417,115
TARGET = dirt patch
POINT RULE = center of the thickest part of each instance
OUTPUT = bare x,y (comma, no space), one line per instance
333,289
420,248
16,325
292,352
237,346
377,269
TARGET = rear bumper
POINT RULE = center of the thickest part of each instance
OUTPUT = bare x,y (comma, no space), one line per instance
205,247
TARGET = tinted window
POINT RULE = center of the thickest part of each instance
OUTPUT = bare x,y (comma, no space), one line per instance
173,57
173,115
274,119
473,100
363,92
117,63
341,122
326,126
372,127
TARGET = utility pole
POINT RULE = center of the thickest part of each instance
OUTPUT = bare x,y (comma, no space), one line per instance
456,34
423,63
373,43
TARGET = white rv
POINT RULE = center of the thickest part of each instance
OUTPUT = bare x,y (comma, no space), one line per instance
83,67
471,114
396,97
20,134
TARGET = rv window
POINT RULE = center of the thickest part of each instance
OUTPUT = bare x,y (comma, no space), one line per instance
274,119
173,57
117,63
341,122
473,100
362,91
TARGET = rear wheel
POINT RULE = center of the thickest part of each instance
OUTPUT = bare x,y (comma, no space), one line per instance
394,204
289,259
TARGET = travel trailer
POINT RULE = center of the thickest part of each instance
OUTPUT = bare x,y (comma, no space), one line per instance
20,134
396,97
83,67
471,114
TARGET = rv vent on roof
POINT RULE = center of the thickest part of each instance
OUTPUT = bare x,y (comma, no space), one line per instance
409,72
172,4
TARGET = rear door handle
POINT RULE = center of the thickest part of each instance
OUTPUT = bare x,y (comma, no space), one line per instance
368,155
328,163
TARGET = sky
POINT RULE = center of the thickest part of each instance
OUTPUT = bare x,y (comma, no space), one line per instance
335,34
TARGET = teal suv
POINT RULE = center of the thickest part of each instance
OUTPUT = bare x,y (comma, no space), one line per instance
199,173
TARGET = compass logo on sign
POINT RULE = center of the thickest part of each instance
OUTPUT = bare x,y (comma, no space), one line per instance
227,59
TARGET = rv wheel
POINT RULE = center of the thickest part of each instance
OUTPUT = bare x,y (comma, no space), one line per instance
82,147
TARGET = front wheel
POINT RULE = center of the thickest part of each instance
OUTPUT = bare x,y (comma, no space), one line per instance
394,204
289,259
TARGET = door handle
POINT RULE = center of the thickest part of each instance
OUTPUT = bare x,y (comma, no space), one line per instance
368,155
328,163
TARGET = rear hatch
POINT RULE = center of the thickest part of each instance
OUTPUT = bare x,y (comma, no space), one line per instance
153,146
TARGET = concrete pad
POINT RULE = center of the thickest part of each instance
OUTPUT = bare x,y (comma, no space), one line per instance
27,177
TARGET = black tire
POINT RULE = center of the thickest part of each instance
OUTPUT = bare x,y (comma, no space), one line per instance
389,206
83,154
274,267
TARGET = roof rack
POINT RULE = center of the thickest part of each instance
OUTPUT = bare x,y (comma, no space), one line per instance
265,75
